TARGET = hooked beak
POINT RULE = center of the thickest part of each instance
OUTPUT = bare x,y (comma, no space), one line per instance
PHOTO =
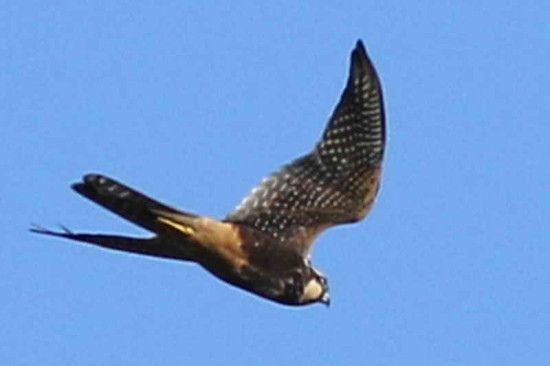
325,299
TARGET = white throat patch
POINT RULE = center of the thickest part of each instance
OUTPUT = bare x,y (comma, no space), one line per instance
312,291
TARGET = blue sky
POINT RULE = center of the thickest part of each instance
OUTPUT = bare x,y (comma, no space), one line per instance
194,102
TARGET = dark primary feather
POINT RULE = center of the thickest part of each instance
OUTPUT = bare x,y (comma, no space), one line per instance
355,134
329,185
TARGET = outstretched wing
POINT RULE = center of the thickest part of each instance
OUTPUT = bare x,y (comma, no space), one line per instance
337,182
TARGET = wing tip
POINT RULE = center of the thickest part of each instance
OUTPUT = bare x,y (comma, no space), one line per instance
360,61
360,46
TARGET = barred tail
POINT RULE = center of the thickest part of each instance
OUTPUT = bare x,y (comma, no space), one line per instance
124,201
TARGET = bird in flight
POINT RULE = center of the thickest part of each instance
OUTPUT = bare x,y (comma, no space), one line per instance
264,244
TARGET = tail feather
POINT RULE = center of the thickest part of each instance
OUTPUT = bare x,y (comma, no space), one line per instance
124,201
155,246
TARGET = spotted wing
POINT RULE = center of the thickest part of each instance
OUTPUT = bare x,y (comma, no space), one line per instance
336,183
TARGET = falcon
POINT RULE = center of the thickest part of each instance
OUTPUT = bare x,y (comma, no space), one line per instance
264,245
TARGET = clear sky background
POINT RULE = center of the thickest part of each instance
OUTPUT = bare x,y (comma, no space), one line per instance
194,102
